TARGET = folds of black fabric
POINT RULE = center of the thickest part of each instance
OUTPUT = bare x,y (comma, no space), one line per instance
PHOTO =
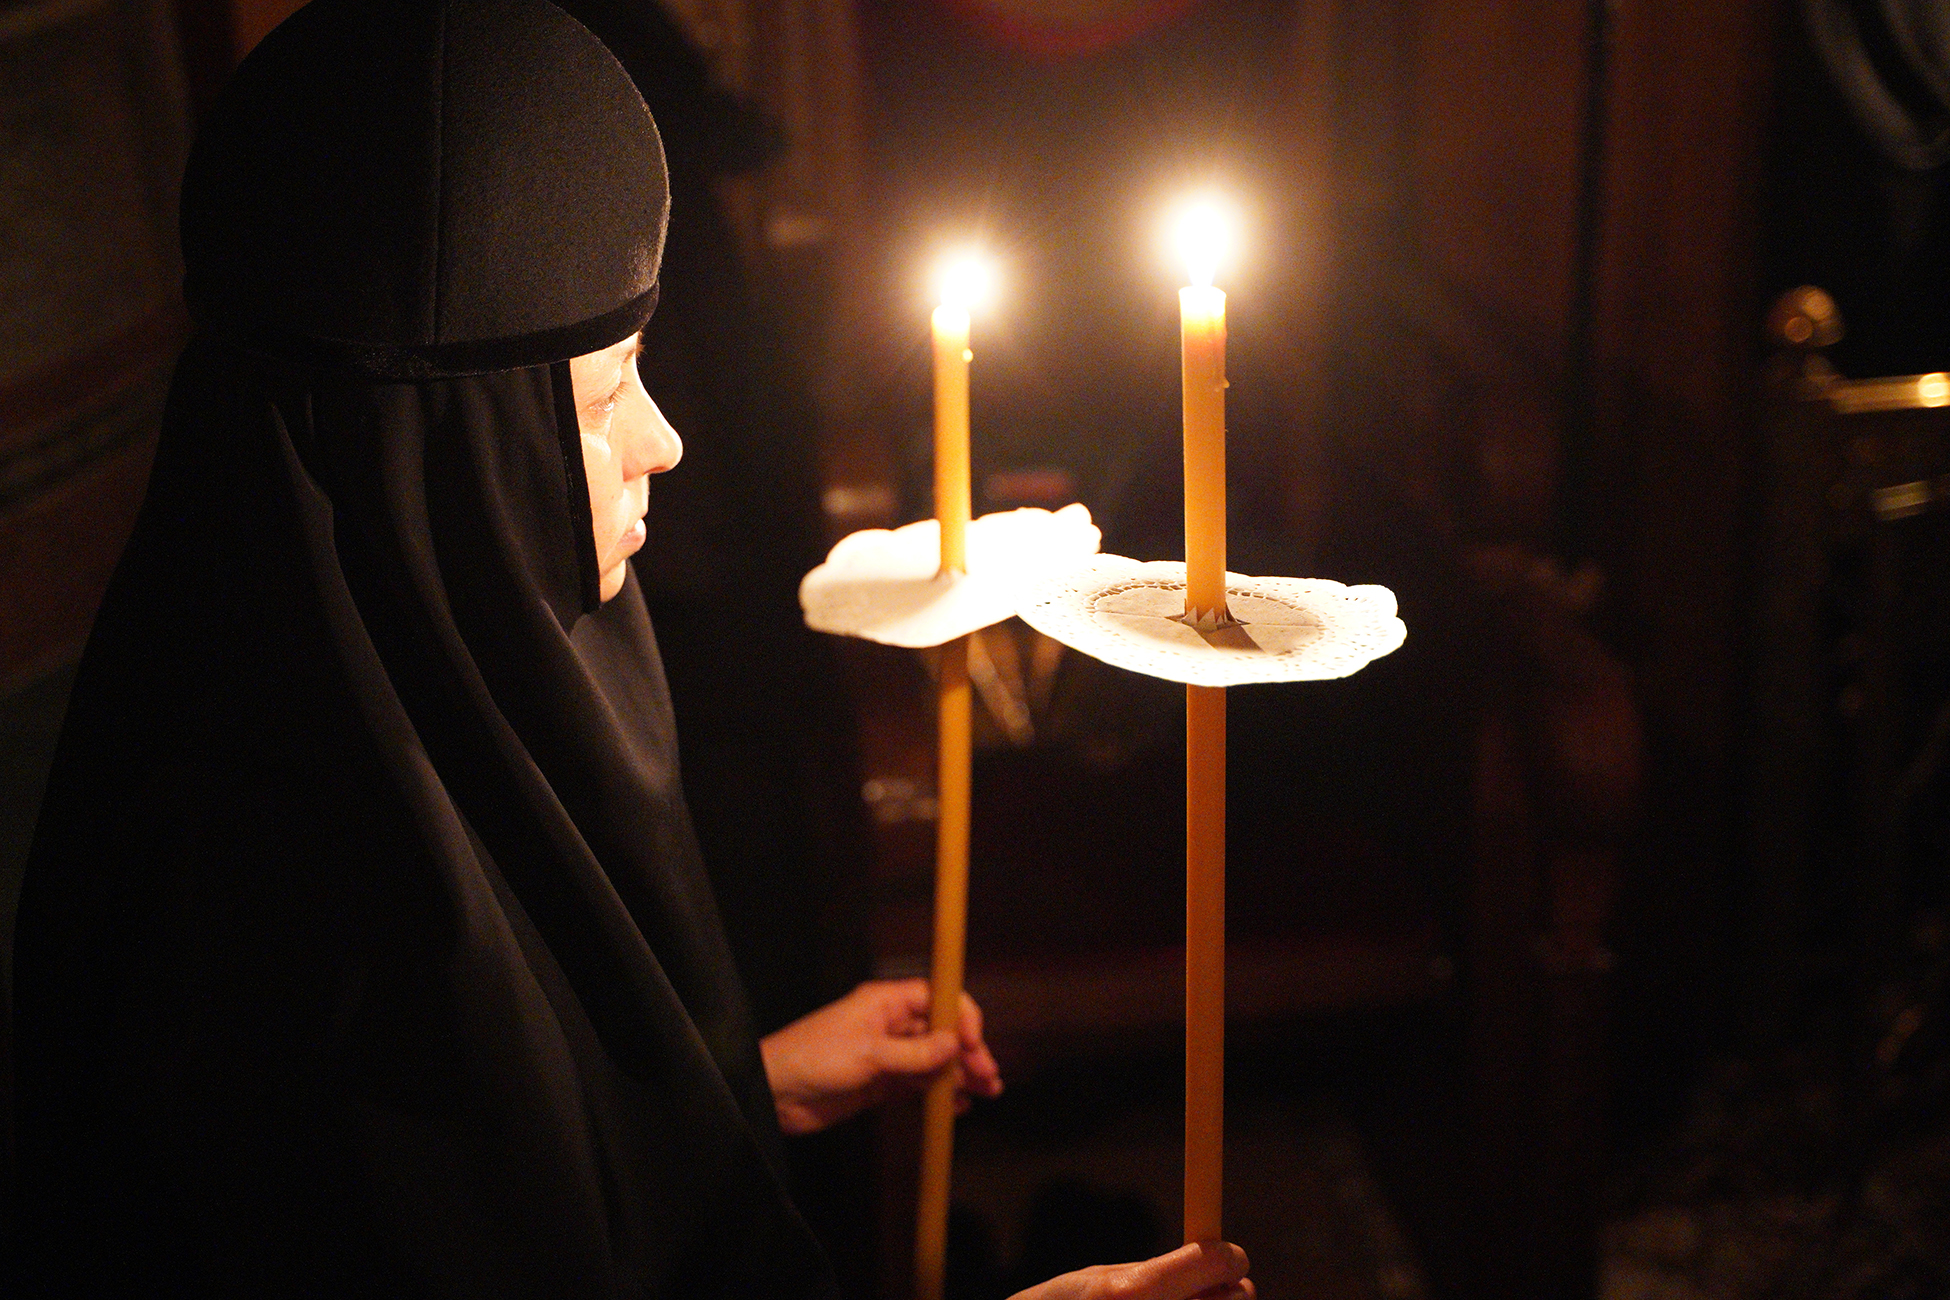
364,947
365,944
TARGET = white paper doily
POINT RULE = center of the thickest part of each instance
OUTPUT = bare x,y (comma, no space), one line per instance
885,585
1126,613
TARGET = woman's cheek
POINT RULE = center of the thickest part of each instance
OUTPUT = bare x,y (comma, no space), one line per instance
598,468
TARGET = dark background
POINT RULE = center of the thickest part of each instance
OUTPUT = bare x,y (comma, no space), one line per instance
1514,915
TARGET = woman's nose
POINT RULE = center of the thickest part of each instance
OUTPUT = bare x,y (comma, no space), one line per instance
656,447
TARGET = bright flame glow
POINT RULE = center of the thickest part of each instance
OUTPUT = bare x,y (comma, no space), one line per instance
965,280
1202,233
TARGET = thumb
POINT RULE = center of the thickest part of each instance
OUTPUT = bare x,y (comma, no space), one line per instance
920,1054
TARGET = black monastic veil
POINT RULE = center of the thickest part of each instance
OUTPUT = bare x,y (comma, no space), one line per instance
364,947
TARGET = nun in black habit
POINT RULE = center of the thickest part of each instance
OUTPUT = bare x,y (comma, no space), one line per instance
364,948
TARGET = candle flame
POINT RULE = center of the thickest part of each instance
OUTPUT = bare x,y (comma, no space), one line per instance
1202,233
965,280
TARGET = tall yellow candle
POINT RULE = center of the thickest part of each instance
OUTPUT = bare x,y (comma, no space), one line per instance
950,941
951,494
1205,957
1202,341
962,281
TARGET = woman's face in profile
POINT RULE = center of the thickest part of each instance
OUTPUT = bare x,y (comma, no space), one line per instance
625,439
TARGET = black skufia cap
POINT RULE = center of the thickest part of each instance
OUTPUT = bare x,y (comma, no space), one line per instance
419,189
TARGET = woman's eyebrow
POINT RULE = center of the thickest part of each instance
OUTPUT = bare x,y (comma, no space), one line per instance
627,359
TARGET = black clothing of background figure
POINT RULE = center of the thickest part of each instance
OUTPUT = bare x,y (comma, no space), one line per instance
365,948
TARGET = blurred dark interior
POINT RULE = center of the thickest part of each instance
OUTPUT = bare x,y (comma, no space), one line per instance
1597,942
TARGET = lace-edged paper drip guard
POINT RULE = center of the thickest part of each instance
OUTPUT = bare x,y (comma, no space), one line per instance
1129,614
883,585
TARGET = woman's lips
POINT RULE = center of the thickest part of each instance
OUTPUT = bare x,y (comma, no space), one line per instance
634,537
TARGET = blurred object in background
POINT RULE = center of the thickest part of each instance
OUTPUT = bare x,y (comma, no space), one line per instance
94,124
1815,1156
1861,195
93,128
1082,1163
1066,28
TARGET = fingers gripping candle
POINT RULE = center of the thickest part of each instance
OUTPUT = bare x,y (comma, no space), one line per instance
962,282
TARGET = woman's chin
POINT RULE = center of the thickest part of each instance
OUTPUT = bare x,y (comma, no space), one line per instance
612,580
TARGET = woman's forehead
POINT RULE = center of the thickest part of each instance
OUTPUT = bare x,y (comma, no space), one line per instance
623,348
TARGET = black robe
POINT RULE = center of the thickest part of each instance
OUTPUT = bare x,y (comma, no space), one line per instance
364,947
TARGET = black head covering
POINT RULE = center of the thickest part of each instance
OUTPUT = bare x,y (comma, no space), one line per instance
419,190
365,949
